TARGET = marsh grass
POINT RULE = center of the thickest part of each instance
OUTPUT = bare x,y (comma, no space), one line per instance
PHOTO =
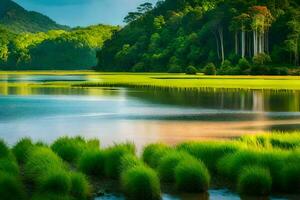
290,177
22,148
11,187
153,153
141,182
255,181
56,181
80,187
92,163
168,163
4,150
113,158
192,175
129,161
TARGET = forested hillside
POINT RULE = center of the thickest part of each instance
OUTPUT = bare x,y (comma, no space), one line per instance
238,36
55,49
17,19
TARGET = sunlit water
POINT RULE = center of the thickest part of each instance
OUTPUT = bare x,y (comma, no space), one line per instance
118,115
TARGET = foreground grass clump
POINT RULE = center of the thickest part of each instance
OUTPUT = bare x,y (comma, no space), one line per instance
22,148
191,175
80,187
113,158
11,187
209,152
130,161
141,182
256,181
70,149
92,163
168,163
290,175
153,153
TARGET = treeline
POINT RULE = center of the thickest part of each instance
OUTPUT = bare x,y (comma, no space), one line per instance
55,49
238,37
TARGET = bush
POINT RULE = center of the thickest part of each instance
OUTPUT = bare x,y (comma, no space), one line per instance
141,183
153,153
243,64
139,67
11,187
260,70
191,175
255,181
174,69
191,70
92,162
55,181
113,158
81,188
69,149
129,161
168,163
261,59
279,71
21,149
290,176
210,69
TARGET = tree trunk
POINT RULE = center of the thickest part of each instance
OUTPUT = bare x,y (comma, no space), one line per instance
220,30
217,43
243,44
236,43
296,52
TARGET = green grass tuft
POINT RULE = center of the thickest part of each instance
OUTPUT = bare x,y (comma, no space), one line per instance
4,150
22,148
169,162
7,165
113,158
290,175
129,161
81,189
92,163
141,183
11,187
192,175
153,153
255,181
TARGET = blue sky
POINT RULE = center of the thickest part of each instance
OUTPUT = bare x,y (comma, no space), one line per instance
84,12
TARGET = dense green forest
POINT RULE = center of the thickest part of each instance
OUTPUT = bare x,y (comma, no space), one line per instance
17,19
238,37
55,49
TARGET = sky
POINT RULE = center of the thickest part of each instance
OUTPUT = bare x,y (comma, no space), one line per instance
83,12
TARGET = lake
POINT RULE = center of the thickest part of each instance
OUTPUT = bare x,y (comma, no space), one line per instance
118,114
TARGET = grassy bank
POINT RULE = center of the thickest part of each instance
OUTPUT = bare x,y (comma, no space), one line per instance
251,165
164,80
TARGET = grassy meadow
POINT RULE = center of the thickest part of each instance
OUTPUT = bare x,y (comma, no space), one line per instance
253,165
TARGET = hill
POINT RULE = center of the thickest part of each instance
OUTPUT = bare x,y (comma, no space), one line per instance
17,19
239,37
55,49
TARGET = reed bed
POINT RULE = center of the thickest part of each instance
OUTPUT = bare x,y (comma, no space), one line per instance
257,165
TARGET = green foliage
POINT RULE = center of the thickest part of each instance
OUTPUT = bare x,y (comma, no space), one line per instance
255,181
113,158
80,187
191,175
129,161
92,163
175,69
210,69
261,59
290,177
4,150
168,163
153,153
191,70
11,187
9,166
22,149
141,183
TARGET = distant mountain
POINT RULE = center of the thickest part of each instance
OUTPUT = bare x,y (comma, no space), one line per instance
17,19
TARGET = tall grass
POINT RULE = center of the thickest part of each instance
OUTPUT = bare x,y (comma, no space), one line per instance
92,163
153,153
22,148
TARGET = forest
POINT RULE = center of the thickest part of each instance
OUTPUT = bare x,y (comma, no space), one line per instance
216,36
55,49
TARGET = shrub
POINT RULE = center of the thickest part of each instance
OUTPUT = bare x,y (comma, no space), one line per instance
92,162
210,69
55,181
4,150
153,153
81,188
290,176
243,64
174,69
113,157
141,183
261,59
279,71
168,163
11,187
69,149
191,175
260,70
255,181
191,70
139,67
209,152
129,161
22,148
